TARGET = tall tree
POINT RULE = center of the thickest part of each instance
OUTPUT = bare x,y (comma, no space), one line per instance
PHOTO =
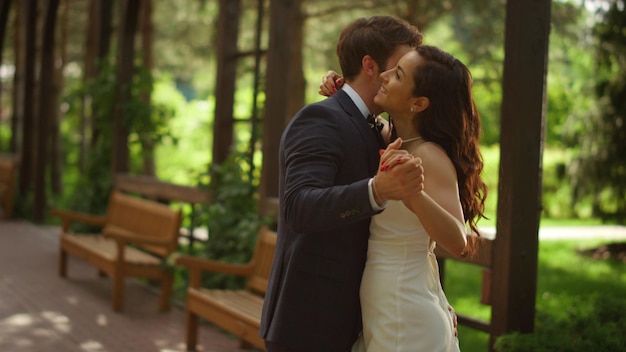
600,170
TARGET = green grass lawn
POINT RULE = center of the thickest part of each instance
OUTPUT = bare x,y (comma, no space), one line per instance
566,279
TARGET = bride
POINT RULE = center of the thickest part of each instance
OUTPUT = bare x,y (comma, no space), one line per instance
428,94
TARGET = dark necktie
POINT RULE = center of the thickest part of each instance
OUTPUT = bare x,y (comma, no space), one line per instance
376,127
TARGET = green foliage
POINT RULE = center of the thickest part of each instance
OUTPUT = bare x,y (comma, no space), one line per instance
147,124
593,324
231,217
148,121
93,185
600,170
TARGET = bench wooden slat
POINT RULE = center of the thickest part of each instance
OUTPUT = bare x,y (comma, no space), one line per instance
107,249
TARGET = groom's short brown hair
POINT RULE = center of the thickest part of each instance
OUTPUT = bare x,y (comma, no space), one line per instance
377,36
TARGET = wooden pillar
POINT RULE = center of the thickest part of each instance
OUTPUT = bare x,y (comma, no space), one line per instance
47,106
284,94
514,280
125,69
227,34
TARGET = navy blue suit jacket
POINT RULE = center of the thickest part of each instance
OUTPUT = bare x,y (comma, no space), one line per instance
327,155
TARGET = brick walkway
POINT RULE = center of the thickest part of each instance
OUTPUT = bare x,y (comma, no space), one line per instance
41,312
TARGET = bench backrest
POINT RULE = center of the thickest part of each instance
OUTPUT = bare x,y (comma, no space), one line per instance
262,261
146,218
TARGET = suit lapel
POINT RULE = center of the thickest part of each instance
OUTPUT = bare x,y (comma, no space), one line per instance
360,123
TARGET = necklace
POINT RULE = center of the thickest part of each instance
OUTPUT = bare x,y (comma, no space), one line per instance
412,139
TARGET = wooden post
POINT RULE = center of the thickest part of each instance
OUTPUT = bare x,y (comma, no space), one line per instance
125,68
227,34
281,87
514,279
47,107
28,96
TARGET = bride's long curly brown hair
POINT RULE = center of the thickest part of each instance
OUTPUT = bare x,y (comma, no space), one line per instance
452,121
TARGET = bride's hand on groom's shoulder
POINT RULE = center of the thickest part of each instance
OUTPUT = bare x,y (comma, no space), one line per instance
331,82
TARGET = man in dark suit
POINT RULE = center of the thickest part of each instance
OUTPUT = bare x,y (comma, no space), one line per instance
329,155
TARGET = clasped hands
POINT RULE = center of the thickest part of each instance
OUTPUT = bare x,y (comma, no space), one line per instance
400,174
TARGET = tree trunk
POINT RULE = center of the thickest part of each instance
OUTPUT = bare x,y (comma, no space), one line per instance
147,38
128,28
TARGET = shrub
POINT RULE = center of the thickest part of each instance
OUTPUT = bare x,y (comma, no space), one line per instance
596,326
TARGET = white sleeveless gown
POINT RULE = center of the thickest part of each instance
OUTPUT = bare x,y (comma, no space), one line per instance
404,307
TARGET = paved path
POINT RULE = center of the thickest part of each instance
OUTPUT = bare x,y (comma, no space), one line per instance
41,312
612,232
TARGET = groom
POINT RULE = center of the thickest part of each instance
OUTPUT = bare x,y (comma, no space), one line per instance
328,155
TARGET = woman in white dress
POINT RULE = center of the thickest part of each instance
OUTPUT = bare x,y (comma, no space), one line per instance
428,94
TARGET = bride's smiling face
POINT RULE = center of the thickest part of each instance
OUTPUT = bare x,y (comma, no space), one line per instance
395,95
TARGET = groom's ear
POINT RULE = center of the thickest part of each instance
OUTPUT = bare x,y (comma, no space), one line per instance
369,66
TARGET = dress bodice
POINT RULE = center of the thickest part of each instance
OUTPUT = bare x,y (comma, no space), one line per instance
398,224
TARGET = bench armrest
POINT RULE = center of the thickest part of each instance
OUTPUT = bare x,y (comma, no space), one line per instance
197,265
67,217
120,234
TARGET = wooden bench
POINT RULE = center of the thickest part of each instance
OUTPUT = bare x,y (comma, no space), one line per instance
237,311
8,172
137,236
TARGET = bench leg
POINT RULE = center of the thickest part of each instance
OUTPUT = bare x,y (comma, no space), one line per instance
166,292
118,292
62,263
191,322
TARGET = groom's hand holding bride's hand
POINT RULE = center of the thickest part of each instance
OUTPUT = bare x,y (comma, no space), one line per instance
399,175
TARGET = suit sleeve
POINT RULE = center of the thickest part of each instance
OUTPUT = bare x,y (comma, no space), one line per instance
321,191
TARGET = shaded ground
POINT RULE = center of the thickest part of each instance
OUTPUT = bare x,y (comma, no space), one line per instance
613,251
